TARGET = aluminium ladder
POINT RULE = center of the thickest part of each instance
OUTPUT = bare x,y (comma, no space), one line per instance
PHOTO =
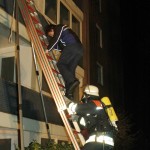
48,64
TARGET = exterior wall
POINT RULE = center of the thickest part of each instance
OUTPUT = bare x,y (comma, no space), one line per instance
33,118
32,130
107,51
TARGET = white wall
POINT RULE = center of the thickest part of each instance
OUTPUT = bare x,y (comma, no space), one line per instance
33,130
27,67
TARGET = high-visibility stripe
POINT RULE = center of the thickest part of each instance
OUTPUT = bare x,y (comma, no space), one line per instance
101,139
97,103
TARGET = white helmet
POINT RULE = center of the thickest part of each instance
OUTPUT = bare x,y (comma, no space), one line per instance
91,90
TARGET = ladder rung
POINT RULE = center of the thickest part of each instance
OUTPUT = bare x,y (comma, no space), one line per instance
29,1
44,44
49,57
75,132
55,71
34,19
31,8
60,85
39,32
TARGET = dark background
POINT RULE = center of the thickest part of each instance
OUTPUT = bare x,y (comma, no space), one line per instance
135,23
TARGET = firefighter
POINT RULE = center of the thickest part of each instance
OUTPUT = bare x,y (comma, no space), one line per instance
93,117
62,38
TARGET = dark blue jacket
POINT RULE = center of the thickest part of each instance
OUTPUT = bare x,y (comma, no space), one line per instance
63,36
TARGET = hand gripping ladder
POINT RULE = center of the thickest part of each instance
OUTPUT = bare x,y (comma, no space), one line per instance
48,64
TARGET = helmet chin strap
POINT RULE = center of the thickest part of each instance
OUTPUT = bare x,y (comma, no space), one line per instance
85,97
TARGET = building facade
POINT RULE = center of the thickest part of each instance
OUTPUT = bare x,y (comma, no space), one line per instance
33,117
96,23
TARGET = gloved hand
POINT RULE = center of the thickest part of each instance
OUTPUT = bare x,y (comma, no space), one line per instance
72,107
47,52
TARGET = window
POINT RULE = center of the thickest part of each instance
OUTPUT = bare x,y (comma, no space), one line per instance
100,74
99,36
5,144
7,5
50,9
7,69
76,26
44,84
61,13
2,4
100,6
45,142
64,15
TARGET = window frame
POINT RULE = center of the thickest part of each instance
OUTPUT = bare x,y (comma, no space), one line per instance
100,36
100,74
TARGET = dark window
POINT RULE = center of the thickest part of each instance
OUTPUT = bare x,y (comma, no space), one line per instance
78,3
2,4
100,74
64,15
5,144
45,141
76,26
98,5
97,37
44,84
62,142
50,9
7,71
7,5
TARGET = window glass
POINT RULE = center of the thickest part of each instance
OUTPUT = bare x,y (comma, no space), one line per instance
76,26
2,4
45,142
100,74
51,9
76,29
78,3
7,71
99,36
100,6
44,84
7,5
5,144
64,15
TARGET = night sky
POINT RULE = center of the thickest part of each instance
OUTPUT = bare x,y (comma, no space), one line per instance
135,22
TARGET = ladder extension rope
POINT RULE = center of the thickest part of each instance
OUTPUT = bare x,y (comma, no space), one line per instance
10,36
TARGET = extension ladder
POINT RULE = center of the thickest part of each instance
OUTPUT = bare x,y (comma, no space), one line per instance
48,62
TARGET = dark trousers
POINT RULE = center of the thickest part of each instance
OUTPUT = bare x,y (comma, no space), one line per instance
96,146
68,62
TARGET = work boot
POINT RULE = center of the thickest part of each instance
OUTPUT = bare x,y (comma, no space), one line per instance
69,96
71,88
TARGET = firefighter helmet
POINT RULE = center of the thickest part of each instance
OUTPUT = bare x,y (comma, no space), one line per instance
91,90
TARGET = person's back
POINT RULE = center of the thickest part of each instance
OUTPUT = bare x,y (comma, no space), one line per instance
69,36
93,117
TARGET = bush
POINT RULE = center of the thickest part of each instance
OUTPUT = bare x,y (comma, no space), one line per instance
34,145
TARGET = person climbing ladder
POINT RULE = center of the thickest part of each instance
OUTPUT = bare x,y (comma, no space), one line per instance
62,38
